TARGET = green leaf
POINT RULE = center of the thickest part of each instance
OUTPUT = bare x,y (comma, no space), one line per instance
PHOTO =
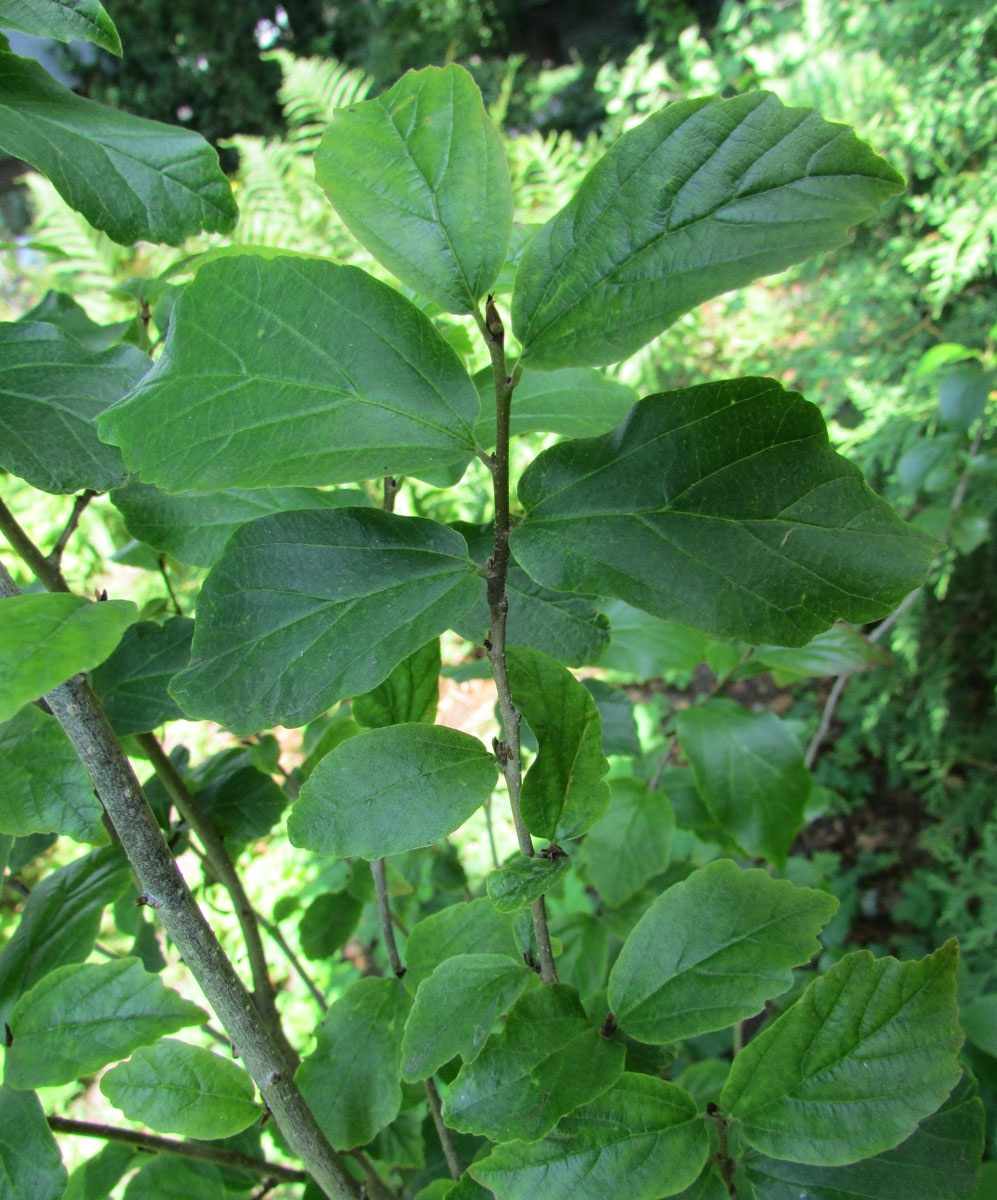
979,1022
52,389
83,1016
132,682
64,20
306,608
630,844
574,402
840,651
327,923
419,176
709,1186
390,790
711,950
645,647
351,1078
370,389
170,1177
131,178
471,928
60,921
456,1009
643,1139
45,789
839,1076
584,955
524,880
411,693
962,397
616,711
724,508
59,308
96,1178
174,1087
242,801
750,773
30,1164
546,1061
193,527
564,792
46,639
703,197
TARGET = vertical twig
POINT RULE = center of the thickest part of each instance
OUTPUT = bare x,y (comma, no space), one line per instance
161,561
79,504
445,1136
292,958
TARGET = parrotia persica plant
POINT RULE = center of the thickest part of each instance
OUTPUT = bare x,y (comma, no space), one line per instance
564,1031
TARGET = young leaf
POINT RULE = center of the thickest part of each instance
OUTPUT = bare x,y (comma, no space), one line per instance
370,389
703,197
351,1078
474,927
392,789
169,1177
564,792
419,176
45,789
52,389
30,1164
305,608
174,1087
838,1077
644,1139
547,1061
64,20
711,950
574,402
749,772
456,1008
630,844
83,1016
411,693
131,178
524,880
46,639
722,507
132,682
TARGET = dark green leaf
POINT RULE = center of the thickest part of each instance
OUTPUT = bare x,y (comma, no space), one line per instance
45,788
645,647
703,197
724,508
411,693
392,789
709,1186
370,388
132,682
471,928
616,711
169,1177
564,792
193,527
963,394
327,923
524,880
52,389
306,608
630,844
96,1178
585,952
129,177
351,1078
400,1144
83,1016
242,802
711,950
456,1009
64,20
643,1139
574,402
58,308
840,651
420,178
174,1087
30,1165
839,1076
979,1022
749,772
60,921
547,1060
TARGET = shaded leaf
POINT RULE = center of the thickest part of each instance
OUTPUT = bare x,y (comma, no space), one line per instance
616,711
242,802
840,651
523,880
170,1177
411,693
631,843
64,20
59,308
327,923
574,402
132,683
471,928
30,1164
96,1178
646,647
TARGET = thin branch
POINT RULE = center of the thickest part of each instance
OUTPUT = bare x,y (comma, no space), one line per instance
79,504
161,562
160,1145
493,849
47,573
446,1138
292,958
374,1186
380,872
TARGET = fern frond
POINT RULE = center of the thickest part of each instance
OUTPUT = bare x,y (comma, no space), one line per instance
313,88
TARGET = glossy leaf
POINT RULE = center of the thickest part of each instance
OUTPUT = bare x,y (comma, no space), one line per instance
750,773
838,1077
134,179
392,789
456,1009
420,178
64,20
564,792
30,1164
703,197
132,683
83,1016
306,608
644,1139
52,389
193,527
840,651
174,1087
45,789
472,928
630,844
370,389
169,1177
351,1078
60,921
711,950
523,880
327,923
45,639
411,693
